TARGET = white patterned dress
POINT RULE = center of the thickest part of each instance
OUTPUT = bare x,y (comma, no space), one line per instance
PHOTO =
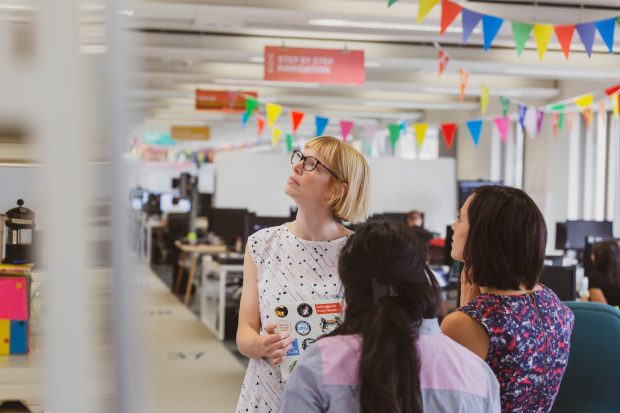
289,269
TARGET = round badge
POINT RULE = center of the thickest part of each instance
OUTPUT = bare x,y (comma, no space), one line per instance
283,327
304,310
303,328
281,311
306,343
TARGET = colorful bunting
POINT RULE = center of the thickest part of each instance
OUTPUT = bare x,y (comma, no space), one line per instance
606,30
502,123
449,11
420,132
602,111
273,111
587,115
289,142
275,137
555,116
559,108
394,129
484,98
490,27
584,101
390,2
296,118
469,20
370,129
505,102
424,7
565,37
542,34
540,115
464,77
475,127
443,60
321,123
345,129
260,125
245,118
569,120
586,34
403,126
614,89
251,104
615,103
448,129
522,113
520,33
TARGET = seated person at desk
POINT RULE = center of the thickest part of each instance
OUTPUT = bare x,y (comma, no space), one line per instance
389,355
605,276
415,220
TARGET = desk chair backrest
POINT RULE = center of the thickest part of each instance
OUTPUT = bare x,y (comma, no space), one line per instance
591,381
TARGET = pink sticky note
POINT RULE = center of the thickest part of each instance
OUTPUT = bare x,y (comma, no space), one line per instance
13,299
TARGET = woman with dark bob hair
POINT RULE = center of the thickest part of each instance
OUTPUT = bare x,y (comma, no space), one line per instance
519,327
389,355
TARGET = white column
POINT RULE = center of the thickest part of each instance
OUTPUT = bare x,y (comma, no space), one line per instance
574,171
600,165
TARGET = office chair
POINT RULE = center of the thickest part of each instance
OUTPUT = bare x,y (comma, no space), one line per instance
591,381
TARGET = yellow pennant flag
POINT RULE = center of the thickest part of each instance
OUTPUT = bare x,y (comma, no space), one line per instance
542,34
276,136
584,101
615,103
420,131
424,7
273,111
484,98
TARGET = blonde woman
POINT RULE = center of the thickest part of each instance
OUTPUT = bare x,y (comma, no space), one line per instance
329,181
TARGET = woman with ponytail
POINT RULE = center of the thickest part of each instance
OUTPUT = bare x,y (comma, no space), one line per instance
389,355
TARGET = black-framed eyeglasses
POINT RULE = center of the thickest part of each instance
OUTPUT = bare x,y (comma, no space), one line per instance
310,163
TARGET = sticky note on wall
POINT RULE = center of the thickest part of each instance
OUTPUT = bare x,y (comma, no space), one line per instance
5,336
14,302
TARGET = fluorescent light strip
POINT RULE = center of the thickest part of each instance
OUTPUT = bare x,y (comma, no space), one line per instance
259,82
384,26
554,72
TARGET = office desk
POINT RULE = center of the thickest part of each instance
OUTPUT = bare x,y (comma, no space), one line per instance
213,315
193,251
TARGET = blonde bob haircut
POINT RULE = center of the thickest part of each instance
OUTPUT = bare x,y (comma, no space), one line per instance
350,166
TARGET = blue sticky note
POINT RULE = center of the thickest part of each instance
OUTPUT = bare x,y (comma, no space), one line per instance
19,337
294,351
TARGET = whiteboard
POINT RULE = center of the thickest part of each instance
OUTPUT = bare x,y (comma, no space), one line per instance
256,181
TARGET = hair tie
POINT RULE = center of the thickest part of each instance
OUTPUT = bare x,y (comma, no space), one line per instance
380,290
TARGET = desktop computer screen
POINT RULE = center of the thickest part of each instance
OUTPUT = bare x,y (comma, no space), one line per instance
466,188
255,223
561,280
577,231
398,217
227,223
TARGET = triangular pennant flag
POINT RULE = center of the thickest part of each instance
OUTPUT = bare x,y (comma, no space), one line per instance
275,137
289,142
424,7
530,123
615,103
490,27
565,37
584,101
502,123
586,34
443,60
447,129
521,32
540,115
250,105
244,119
321,123
394,129
469,20
522,113
614,89
420,132
464,77
484,97
587,115
555,116
505,105
569,120
559,108
542,34
403,126
345,129
273,111
260,125
602,111
475,127
390,2
370,129
449,11
296,117
606,30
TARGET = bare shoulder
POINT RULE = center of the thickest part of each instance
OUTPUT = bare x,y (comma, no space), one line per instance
466,331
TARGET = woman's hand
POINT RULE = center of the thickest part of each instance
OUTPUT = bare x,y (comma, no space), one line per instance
469,291
275,345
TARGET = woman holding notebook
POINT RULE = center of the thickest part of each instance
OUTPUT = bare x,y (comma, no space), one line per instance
297,261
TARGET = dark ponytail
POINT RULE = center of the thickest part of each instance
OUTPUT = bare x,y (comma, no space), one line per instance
388,290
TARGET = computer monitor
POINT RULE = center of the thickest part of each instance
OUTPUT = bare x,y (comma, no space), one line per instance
227,223
560,235
255,223
399,217
466,188
561,280
577,231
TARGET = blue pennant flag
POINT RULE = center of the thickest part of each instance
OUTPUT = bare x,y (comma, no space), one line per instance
403,126
475,127
469,19
606,30
321,123
245,118
490,27
586,34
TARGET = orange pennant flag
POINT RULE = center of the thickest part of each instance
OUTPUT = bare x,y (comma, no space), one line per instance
464,78
565,37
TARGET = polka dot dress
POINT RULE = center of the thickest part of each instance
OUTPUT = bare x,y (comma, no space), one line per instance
289,269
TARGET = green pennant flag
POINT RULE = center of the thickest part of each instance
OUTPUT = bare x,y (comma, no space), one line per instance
521,32
250,105
394,133
289,142
390,2
366,147
505,105
559,108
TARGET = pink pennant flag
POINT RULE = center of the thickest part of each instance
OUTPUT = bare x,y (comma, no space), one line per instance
502,123
530,122
555,116
464,78
602,111
569,120
345,129
443,61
